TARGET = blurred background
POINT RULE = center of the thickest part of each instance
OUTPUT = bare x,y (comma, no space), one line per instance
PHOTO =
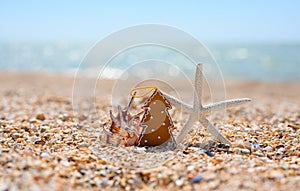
250,40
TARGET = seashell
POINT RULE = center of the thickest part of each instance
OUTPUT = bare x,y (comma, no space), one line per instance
124,129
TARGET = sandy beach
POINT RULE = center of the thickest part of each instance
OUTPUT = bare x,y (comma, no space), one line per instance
44,146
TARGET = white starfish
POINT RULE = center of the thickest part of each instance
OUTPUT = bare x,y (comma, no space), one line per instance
198,112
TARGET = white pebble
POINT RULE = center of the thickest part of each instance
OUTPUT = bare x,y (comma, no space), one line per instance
16,135
295,140
45,155
58,136
140,149
179,182
268,148
80,145
190,168
65,162
245,151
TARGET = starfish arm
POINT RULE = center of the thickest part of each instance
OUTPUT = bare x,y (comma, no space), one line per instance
185,129
198,88
214,131
224,104
178,103
206,109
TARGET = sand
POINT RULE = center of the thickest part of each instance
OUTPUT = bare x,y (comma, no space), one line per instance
44,146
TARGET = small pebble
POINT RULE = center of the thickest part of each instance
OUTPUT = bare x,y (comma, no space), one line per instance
268,148
39,142
65,162
245,151
16,135
278,155
140,149
190,168
280,146
45,155
40,116
58,136
44,128
80,145
197,179
255,145
179,182
241,151
259,154
209,153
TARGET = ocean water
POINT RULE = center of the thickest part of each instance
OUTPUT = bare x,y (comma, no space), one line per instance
267,62
262,62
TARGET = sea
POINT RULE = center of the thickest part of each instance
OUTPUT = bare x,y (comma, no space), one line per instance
247,61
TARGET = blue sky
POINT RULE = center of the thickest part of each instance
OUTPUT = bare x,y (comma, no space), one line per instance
207,20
